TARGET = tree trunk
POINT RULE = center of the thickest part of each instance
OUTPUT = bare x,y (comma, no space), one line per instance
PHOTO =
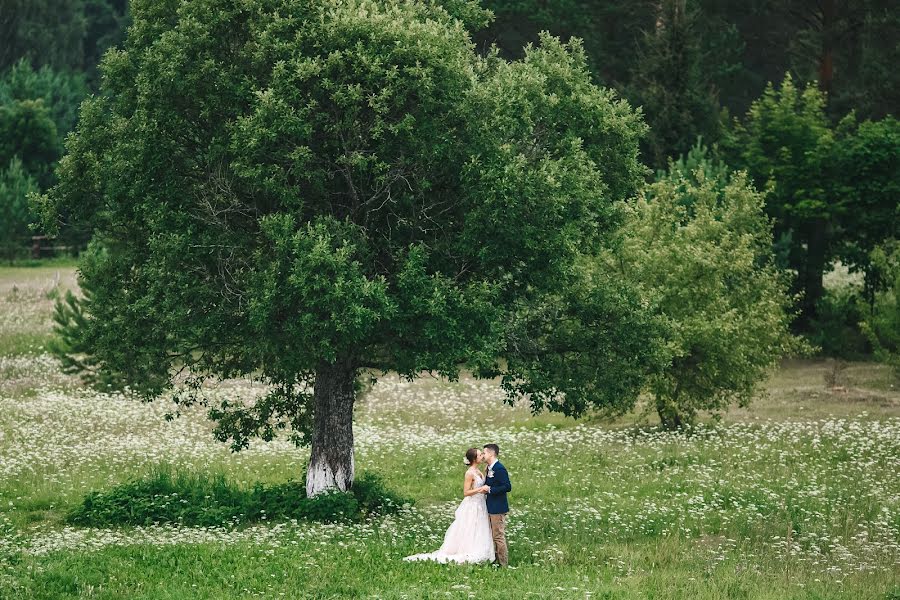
815,267
668,415
331,463
826,56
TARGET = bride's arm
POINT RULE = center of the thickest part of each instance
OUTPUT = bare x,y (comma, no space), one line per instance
468,488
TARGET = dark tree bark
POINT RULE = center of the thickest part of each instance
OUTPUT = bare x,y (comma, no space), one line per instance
816,248
826,58
331,463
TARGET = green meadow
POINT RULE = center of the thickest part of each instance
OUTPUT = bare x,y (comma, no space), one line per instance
796,496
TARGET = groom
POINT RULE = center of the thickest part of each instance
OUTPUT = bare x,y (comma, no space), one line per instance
497,485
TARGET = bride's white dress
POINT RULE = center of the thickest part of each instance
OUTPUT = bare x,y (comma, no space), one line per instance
468,539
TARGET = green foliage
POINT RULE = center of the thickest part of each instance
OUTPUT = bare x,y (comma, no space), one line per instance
470,12
15,213
837,326
784,143
673,82
834,190
865,164
37,109
373,495
701,250
607,29
849,47
61,91
166,495
665,56
275,185
78,334
882,326
71,346
697,158
65,35
45,32
27,130
872,86
106,22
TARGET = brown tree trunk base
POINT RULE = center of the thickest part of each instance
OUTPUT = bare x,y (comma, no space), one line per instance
331,462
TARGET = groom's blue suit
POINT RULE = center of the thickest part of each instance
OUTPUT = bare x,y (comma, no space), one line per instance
500,485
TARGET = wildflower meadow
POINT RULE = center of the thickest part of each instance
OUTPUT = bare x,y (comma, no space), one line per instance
794,497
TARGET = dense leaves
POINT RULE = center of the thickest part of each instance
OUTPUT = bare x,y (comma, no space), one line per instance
15,213
674,80
865,168
27,132
272,187
701,249
833,189
784,143
60,91
882,326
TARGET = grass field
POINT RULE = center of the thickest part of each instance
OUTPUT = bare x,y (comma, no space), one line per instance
796,497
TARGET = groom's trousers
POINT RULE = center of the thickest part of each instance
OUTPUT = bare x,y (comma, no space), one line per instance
498,530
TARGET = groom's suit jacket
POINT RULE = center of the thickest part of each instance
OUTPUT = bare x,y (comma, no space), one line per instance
500,485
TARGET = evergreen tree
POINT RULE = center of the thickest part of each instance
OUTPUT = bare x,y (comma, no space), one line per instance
15,214
673,83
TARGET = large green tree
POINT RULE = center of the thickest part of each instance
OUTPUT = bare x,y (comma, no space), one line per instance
699,242
864,165
305,192
784,142
834,189
674,80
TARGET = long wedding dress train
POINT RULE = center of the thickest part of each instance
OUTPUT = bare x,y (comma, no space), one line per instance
469,538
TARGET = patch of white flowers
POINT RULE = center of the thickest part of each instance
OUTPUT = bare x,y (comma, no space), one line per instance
824,493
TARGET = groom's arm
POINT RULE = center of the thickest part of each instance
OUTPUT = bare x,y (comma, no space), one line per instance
501,483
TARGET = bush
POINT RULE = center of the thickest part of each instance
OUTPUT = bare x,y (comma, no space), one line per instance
836,328
331,507
164,496
701,247
169,496
882,327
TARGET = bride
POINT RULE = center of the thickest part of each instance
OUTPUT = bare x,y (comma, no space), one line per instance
468,539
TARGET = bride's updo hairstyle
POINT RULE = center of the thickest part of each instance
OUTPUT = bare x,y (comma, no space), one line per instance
471,455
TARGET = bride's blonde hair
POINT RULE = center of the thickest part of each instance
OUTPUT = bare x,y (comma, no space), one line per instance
471,455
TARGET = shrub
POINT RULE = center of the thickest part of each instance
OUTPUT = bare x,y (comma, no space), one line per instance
374,497
702,250
836,327
882,326
178,496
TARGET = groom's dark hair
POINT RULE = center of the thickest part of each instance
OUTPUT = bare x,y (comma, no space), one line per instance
494,448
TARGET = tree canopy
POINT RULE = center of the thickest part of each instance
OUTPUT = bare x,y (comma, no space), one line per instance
699,242
300,192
